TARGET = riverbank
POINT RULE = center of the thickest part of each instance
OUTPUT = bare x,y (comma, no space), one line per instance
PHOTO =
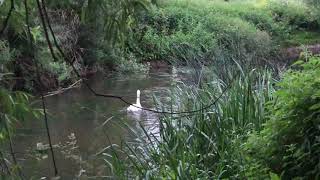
177,32
284,58
292,54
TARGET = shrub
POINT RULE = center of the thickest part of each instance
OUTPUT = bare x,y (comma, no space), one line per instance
129,65
179,31
7,56
289,144
15,107
207,30
294,13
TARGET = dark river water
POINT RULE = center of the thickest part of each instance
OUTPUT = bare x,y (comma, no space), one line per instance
82,125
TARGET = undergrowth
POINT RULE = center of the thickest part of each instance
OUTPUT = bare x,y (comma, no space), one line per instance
180,30
289,143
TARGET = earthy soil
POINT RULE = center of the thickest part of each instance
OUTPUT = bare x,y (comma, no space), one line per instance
159,64
293,53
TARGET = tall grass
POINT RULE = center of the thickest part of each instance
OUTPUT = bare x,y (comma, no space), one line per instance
203,145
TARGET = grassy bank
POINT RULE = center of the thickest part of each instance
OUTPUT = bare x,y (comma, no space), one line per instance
185,30
96,37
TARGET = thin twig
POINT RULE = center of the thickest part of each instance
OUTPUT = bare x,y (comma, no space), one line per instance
41,85
14,159
62,90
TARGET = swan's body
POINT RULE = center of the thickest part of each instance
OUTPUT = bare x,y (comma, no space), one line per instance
137,106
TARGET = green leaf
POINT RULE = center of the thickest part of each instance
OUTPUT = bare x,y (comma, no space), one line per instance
274,176
36,33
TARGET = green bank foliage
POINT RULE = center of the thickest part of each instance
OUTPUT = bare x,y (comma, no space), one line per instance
253,131
289,143
14,108
103,34
184,30
91,34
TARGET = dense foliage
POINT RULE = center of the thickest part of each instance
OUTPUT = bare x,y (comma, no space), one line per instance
209,30
90,33
289,143
257,128
100,34
14,108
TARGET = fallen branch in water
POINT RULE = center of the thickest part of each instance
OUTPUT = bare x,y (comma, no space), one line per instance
59,91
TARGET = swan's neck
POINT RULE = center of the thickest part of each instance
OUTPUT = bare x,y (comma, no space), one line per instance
138,100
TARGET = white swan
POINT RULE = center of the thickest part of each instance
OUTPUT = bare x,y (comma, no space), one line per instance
137,106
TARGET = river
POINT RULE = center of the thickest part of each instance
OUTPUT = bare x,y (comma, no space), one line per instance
82,125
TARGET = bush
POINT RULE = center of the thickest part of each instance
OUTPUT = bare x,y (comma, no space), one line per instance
179,31
207,30
289,144
7,56
129,65
296,14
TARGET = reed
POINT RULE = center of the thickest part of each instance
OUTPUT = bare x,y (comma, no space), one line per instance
207,144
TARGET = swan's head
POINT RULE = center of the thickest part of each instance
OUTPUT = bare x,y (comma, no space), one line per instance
138,93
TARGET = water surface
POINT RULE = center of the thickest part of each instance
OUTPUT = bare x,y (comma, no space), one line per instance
82,125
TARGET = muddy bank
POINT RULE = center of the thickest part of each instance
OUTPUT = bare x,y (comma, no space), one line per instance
158,64
25,67
293,53
25,77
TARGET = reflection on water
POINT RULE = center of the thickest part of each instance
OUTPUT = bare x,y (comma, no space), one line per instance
82,125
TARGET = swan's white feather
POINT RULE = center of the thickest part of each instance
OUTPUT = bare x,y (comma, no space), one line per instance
137,106
134,108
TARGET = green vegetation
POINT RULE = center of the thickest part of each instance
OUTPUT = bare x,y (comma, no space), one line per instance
117,35
290,138
204,145
90,33
263,124
302,38
14,108
253,131
209,29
